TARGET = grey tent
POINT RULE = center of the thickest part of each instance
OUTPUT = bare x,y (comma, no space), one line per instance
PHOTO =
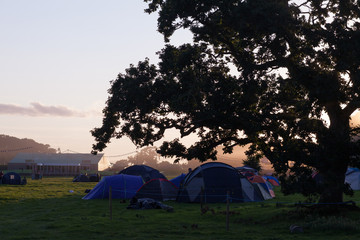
211,182
147,173
81,178
159,189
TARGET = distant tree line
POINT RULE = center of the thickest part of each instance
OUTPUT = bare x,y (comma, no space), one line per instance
10,146
148,156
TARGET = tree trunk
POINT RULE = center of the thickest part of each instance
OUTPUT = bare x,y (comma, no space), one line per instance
333,187
335,158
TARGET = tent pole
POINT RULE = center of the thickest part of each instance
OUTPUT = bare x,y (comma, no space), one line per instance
227,209
110,202
201,199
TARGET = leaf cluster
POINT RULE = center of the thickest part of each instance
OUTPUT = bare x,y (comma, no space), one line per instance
283,76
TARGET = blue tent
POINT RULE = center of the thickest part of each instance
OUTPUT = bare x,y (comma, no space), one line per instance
11,178
123,187
273,180
177,180
211,182
352,177
146,172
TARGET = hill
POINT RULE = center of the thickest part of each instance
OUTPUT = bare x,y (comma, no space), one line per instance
10,146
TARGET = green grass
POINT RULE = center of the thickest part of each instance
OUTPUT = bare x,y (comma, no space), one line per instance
52,208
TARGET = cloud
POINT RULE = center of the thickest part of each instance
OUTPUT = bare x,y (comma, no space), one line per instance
39,110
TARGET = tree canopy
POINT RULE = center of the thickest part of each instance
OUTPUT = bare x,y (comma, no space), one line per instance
280,75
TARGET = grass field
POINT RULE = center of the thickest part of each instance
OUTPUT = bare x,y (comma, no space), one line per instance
52,208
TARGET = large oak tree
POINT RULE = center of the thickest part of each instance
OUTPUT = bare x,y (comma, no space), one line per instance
280,75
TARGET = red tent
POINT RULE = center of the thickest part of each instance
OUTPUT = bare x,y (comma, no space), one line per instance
263,182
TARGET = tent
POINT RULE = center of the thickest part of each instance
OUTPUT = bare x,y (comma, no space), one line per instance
352,177
266,185
273,180
36,176
211,182
11,178
158,189
94,177
146,172
81,178
264,192
247,171
318,178
178,180
122,186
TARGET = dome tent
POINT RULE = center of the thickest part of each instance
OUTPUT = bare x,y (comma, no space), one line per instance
147,173
123,187
352,177
158,189
247,171
11,178
178,180
263,185
81,178
210,182
273,180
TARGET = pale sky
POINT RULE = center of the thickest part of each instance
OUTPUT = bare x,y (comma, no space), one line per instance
57,59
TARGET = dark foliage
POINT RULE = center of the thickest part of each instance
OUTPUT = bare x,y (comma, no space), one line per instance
264,72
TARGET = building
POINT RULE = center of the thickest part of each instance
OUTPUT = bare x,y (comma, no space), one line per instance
59,163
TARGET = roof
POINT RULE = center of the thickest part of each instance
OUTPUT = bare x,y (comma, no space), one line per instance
57,158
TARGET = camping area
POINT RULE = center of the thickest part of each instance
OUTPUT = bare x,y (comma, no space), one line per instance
180,119
53,208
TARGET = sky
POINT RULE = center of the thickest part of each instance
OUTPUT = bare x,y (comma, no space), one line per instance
57,60
56,63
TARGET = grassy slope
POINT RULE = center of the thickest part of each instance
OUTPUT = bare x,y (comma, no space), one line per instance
47,209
